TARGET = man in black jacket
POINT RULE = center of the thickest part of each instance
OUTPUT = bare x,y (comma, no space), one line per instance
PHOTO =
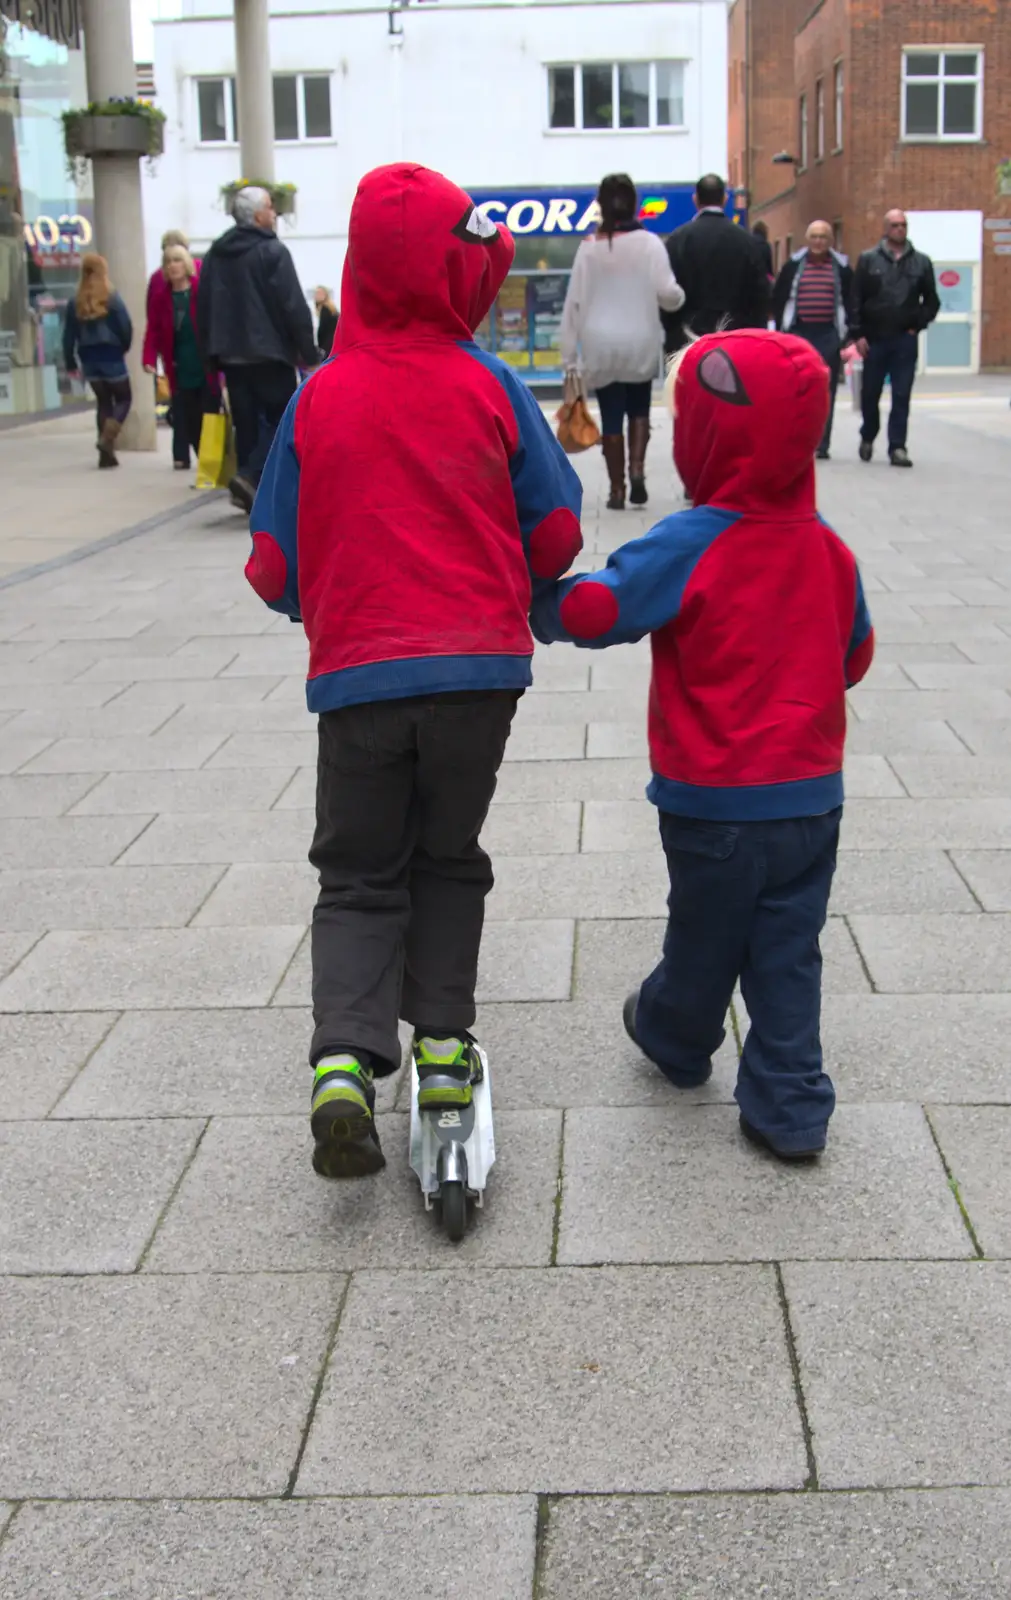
894,300
719,266
254,326
811,299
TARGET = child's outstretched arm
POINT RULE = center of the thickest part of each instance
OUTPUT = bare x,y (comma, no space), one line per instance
272,569
861,646
638,591
548,493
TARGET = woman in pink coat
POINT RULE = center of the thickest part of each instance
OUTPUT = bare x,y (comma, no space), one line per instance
171,337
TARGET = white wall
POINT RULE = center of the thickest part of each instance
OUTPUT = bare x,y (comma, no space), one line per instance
465,91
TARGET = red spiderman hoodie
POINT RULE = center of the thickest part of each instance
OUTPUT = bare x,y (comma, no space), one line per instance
414,494
755,607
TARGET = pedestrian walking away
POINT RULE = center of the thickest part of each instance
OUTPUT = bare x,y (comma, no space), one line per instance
894,300
171,337
327,318
720,266
811,299
414,582
760,234
621,280
97,333
256,328
758,624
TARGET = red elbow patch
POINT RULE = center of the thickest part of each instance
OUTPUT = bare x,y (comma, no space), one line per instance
589,610
266,569
555,543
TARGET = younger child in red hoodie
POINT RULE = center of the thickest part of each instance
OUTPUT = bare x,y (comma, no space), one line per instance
758,625
413,497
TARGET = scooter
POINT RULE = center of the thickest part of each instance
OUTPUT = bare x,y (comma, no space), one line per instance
453,1151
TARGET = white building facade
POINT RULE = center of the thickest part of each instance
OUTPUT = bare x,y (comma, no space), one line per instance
526,105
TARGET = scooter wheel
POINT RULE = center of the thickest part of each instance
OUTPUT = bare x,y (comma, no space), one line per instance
453,1198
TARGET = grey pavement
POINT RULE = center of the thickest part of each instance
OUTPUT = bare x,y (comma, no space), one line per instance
659,1364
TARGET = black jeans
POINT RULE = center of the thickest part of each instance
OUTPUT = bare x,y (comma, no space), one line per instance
403,788
258,395
825,338
894,358
747,900
188,406
620,400
114,397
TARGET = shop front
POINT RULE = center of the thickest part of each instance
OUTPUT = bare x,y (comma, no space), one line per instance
524,324
46,217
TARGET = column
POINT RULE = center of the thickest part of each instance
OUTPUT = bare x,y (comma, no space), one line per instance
254,89
119,216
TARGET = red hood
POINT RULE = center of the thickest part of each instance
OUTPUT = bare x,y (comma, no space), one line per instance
420,258
750,409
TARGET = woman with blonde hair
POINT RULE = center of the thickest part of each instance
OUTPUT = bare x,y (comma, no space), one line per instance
97,334
171,336
329,317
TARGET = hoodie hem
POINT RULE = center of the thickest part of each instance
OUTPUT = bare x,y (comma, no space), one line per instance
411,677
768,802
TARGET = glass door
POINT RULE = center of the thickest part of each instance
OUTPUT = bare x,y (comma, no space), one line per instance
952,341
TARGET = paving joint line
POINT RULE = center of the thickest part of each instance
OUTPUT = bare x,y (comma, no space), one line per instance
163,1213
117,1017
541,1530
950,856
811,1482
955,1188
110,541
556,1209
289,1490
189,923
860,955
117,858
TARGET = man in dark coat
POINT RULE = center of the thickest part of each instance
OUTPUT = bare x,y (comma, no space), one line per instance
719,266
254,325
811,299
894,299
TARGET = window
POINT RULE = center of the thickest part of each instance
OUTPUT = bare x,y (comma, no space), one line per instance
301,108
777,247
789,246
602,96
802,133
819,120
217,112
942,94
840,89
837,234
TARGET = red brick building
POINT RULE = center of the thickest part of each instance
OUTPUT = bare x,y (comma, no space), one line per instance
871,104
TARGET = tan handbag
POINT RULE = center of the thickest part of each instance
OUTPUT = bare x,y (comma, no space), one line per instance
577,430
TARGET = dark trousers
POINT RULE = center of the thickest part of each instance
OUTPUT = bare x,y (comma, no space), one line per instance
403,788
258,395
620,400
893,358
187,420
114,397
747,900
825,338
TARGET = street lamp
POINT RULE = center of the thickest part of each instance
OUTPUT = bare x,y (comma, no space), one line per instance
784,159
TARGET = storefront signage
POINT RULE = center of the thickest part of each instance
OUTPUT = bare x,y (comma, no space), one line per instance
543,212
59,20
950,279
69,230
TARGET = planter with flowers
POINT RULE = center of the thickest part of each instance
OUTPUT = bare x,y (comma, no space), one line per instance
120,127
282,194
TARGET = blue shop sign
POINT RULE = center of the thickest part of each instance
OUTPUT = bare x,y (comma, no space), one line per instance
556,212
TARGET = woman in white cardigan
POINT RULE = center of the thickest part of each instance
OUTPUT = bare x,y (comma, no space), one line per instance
611,333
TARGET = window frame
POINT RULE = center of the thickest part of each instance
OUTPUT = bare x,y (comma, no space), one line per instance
803,133
577,68
839,104
819,119
230,97
942,50
301,136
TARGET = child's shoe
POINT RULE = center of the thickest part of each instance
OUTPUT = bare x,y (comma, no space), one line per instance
447,1071
343,1119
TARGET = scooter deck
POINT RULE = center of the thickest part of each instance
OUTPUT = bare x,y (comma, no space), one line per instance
434,1134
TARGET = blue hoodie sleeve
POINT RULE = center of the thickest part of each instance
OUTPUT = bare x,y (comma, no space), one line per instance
272,568
638,592
861,646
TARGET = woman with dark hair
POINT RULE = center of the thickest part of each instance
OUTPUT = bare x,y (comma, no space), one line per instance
621,280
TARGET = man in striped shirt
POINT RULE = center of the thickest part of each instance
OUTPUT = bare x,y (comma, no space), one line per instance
811,299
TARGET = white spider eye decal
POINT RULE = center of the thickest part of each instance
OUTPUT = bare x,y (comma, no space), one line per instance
718,374
475,228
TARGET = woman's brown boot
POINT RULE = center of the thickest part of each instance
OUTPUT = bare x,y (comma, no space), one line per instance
613,445
111,430
638,439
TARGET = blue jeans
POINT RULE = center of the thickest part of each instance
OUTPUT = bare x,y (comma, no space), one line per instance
748,900
620,400
894,358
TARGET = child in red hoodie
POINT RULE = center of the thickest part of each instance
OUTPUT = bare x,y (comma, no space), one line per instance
758,625
413,497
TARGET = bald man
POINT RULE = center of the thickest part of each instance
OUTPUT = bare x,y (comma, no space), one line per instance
894,300
811,299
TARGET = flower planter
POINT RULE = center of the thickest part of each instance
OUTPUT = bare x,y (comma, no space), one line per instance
284,202
122,135
282,194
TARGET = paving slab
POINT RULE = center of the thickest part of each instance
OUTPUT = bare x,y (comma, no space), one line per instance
278,749
581,1395
59,721
251,893
252,1203
151,969
988,874
936,954
161,752
919,1047
630,884
66,841
372,1549
638,1185
610,741
150,1386
901,825
104,897
255,789
573,780
899,880
13,948
903,734
43,797
976,1141
237,693
955,777
949,1544
17,750
41,1055
227,836
897,1365
85,1196
532,827
528,742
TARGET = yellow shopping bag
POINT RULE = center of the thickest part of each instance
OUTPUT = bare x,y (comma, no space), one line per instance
216,465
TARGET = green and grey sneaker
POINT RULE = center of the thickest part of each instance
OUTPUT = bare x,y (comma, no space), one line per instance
343,1121
447,1070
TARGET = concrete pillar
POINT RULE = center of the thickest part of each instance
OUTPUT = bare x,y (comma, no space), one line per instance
255,89
119,214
